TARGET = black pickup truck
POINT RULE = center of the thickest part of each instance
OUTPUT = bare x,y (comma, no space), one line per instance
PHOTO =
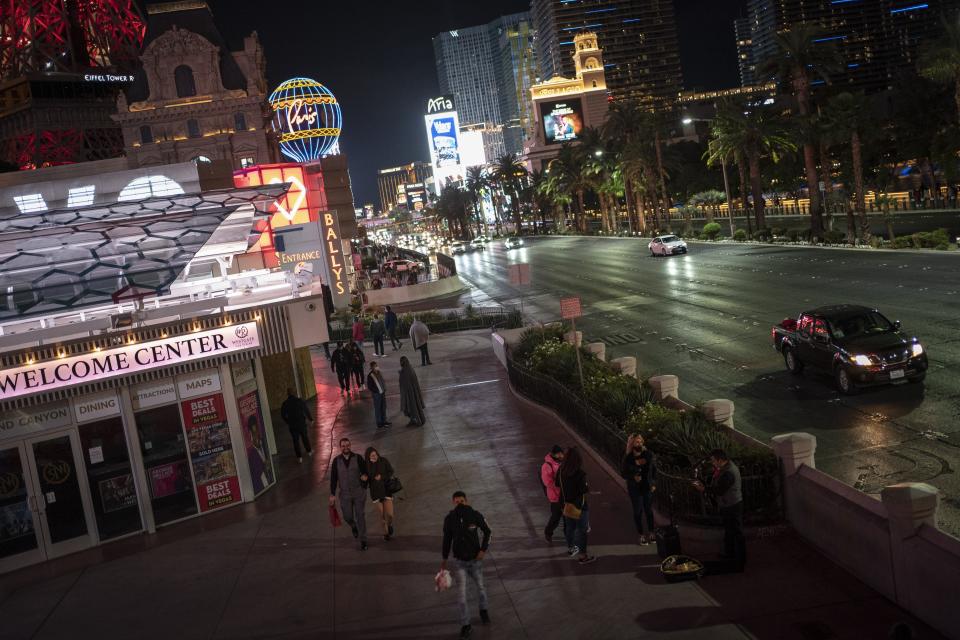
856,344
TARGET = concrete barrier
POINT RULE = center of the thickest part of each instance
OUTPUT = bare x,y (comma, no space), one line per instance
598,349
574,338
413,292
627,365
665,387
719,412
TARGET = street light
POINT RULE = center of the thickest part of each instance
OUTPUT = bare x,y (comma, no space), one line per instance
598,152
726,181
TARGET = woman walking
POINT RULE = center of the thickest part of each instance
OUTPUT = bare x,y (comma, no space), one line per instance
358,360
639,470
411,399
379,472
572,481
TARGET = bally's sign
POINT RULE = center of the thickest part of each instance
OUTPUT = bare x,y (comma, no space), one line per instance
440,104
92,367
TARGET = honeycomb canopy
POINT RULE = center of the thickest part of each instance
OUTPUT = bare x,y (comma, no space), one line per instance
307,117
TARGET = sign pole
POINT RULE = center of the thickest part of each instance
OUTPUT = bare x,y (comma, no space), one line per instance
570,310
573,327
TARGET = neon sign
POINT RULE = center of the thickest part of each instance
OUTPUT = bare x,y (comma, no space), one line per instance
308,119
330,226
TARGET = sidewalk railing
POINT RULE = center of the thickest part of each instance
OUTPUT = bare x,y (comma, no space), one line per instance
438,322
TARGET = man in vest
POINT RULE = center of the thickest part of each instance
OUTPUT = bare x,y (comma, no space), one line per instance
349,473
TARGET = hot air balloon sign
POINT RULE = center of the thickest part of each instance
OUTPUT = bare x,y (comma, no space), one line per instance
308,119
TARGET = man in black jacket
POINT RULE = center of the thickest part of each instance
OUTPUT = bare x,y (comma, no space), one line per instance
462,529
295,413
725,487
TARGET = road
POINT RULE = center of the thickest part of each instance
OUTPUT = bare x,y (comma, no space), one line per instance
706,317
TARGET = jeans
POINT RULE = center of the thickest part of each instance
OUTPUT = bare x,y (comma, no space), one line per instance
343,377
575,531
394,341
474,569
378,345
354,513
556,514
734,544
298,436
358,375
424,354
642,502
380,408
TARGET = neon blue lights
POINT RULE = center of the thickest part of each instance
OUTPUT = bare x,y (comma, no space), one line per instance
566,42
853,65
816,82
307,117
601,10
915,7
830,38
842,1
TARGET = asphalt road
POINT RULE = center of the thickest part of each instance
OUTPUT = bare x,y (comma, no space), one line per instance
706,317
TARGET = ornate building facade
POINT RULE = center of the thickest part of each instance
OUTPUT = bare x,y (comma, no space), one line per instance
194,99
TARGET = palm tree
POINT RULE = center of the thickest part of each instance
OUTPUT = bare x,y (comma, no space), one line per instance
844,120
941,61
509,173
570,170
452,207
555,192
477,184
801,58
757,133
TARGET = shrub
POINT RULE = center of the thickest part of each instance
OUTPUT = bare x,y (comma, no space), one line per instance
834,237
650,421
514,320
740,235
615,395
711,230
535,336
690,440
763,235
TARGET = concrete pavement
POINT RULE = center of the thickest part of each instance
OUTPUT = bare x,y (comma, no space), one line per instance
276,569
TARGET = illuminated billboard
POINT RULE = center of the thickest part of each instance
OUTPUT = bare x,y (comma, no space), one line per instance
472,153
562,120
443,138
308,119
416,196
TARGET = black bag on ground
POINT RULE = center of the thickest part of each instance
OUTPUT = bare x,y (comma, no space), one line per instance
668,541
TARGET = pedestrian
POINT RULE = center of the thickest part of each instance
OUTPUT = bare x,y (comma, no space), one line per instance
379,470
378,331
639,470
725,487
548,478
378,390
341,361
358,360
419,335
357,331
411,398
572,480
349,473
390,322
462,529
295,413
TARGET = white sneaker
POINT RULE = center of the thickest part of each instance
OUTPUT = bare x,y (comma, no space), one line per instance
300,459
573,551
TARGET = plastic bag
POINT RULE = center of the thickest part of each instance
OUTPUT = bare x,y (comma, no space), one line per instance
335,520
442,581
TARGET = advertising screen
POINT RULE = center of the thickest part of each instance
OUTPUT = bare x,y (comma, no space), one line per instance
443,136
562,120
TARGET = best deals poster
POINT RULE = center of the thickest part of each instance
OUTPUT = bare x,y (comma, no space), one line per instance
211,453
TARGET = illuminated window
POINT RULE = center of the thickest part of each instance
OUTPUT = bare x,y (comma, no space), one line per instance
183,77
202,159
146,135
247,161
81,196
32,203
149,186
193,128
239,122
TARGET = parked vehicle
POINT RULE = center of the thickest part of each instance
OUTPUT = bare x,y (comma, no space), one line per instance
857,345
513,242
667,246
479,244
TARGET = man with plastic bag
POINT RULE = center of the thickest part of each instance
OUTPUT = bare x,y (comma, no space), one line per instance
467,534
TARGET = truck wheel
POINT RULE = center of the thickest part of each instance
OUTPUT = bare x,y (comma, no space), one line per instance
793,363
844,382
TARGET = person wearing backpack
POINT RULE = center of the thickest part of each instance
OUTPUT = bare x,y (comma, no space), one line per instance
466,533
572,480
548,478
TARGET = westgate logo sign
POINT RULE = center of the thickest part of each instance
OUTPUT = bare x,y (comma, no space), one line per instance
131,358
440,104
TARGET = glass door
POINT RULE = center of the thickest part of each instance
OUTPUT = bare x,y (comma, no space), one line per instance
19,541
62,507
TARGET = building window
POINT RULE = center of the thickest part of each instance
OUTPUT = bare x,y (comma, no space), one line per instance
193,128
146,135
183,77
239,122
148,187
247,161
200,159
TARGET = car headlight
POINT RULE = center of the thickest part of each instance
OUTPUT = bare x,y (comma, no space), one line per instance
863,361
917,349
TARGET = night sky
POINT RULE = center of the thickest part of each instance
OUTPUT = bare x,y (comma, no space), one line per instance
377,58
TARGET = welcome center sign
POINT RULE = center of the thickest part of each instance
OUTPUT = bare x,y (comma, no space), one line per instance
130,358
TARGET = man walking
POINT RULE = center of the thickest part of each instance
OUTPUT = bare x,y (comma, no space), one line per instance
378,390
295,413
377,332
725,486
419,334
390,322
341,361
349,473
467,533
548,477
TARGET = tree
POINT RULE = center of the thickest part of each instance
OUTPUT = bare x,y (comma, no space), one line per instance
844,120
754,132
803,55
452,207
708,202
940,62
570,171
477,184
509,173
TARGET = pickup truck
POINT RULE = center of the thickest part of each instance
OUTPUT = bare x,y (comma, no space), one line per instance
857,345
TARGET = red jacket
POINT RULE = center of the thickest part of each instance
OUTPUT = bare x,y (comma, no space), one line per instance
358,331
548,475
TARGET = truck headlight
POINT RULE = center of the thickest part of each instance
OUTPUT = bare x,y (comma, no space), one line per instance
917,349
863,361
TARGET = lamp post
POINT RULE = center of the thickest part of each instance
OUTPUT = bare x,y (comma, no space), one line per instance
726,181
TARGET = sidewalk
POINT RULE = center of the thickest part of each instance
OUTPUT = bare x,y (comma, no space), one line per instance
276,569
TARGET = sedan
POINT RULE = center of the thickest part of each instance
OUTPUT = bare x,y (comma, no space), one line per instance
513,242
667,246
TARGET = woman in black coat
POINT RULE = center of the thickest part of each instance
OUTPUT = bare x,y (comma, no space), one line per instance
379,472
639,469
572,480
359,359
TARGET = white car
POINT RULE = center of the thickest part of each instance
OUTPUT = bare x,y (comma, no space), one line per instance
667,246
513,242
457,248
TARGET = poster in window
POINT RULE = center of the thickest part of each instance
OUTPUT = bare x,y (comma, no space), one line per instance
117,493
211,452
255,439
562,120
169,479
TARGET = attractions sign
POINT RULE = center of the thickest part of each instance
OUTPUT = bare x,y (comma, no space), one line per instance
100,365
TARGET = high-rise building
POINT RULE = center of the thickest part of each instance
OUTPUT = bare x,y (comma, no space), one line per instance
638,38
489,69
743,34
878,40
391,182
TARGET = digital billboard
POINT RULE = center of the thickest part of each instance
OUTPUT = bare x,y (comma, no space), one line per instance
443,133
562,120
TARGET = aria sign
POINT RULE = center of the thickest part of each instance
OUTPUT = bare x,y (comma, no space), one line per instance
440,104
131,358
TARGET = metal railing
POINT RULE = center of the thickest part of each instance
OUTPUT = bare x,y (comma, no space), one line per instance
437,321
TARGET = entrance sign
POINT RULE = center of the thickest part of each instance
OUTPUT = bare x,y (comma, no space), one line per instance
570,308
109,363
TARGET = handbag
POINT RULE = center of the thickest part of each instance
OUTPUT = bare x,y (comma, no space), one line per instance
570,509
393,485
335,520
